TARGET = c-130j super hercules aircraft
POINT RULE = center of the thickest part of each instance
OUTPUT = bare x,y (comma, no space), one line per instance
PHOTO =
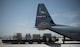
44,21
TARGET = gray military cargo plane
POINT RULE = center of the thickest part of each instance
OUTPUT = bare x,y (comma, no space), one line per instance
44,21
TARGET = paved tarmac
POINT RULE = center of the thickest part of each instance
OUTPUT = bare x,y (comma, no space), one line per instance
40,45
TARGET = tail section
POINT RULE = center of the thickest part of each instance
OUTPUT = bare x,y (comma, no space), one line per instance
43,16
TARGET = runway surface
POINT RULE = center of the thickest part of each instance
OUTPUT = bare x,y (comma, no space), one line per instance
41,45
38,45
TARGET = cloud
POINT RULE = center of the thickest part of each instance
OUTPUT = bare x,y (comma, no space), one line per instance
70,15
75,24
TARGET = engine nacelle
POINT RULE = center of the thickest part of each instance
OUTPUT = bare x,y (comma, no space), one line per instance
43,26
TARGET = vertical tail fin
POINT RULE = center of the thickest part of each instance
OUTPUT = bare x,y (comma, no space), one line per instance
43,15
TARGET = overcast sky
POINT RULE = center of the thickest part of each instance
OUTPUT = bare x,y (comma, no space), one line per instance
19,15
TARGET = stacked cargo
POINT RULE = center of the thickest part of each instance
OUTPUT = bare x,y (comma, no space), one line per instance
19,36
47,37
28,37
36,38
14,37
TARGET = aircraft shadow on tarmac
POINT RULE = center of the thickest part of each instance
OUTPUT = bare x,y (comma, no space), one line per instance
54,45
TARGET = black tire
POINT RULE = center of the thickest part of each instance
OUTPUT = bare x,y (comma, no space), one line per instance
39,42
22,43
30,42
